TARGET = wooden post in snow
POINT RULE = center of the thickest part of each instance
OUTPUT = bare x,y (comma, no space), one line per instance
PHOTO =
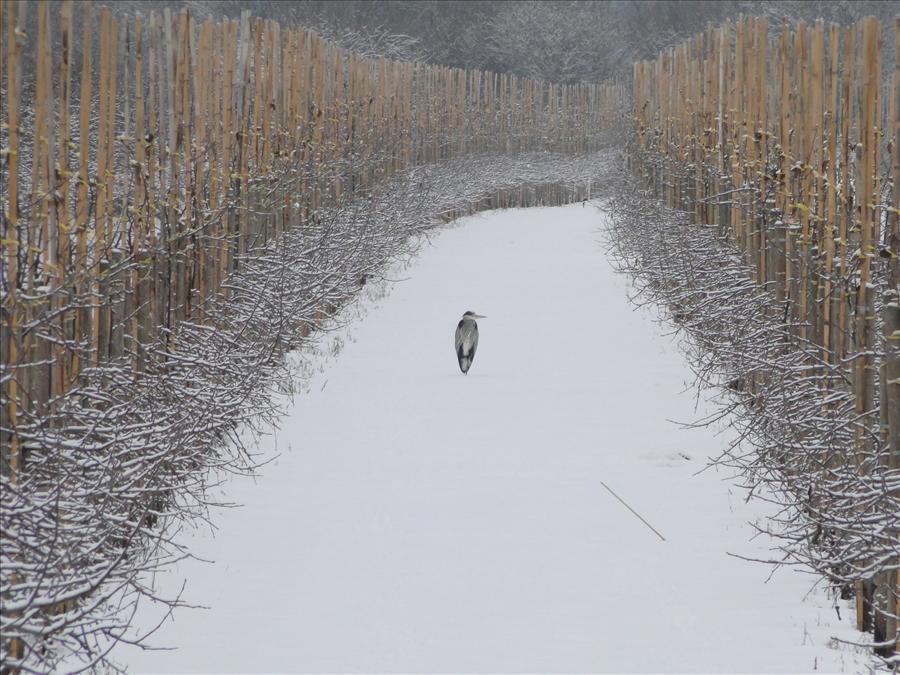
862,364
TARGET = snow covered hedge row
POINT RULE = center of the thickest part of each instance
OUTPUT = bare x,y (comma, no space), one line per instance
800,434
125,460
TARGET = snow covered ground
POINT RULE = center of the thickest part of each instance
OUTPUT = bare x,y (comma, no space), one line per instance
417,520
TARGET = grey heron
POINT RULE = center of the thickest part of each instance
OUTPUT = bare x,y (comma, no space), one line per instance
466,341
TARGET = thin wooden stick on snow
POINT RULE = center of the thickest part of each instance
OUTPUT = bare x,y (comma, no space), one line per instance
632,510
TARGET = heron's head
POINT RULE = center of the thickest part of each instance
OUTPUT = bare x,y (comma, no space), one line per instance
472,315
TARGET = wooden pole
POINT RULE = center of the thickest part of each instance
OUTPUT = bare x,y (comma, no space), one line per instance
830,211
14,240
783,199
863,376
11,460
100,241
111,237
816,185
761,136
141,215
60,354
848,110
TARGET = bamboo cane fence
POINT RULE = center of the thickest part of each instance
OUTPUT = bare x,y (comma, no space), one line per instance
127,205
786,137
144,157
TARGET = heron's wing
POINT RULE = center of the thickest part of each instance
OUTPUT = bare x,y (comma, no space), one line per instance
466,338
460,337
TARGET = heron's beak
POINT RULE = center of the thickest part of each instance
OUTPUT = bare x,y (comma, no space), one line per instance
479,316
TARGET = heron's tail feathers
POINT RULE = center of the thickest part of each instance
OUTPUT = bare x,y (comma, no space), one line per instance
465,360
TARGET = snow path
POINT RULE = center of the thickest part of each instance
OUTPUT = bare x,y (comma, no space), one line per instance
420,521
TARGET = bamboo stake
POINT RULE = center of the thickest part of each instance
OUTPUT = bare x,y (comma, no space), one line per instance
140,199
831,205
204,115
863,375
761,135
782,278
39,248
81,212
111,238
61,356
230,49
751,151
866,197
11,459
215,170
244,146
258,97
815,201
845,223
185,147
804,135
42,269
155,173
12,237
102,176
738,123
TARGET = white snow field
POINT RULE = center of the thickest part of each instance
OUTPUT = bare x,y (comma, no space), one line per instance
419,520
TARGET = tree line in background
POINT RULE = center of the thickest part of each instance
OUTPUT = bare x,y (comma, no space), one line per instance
556,41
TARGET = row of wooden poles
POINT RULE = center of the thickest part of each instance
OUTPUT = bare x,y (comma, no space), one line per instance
133,169
787,137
